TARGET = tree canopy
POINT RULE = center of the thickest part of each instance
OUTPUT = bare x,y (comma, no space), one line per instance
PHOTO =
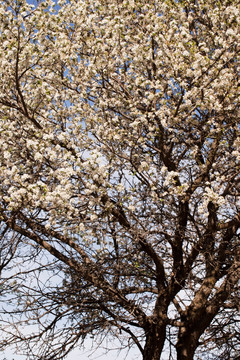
119,176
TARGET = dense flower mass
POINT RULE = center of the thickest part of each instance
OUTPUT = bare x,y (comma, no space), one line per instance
119,173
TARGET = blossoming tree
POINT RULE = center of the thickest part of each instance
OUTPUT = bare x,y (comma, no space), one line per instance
120,159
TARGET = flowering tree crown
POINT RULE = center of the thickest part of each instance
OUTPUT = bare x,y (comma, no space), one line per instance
119,158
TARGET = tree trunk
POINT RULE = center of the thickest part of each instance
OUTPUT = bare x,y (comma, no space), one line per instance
155,337
187,344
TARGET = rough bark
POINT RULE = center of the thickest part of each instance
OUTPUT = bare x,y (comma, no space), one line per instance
155,337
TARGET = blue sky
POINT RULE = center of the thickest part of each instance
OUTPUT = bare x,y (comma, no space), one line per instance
86,354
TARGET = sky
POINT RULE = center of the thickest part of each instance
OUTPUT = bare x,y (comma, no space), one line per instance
86,354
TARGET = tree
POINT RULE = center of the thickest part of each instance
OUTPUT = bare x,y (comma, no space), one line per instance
120,159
